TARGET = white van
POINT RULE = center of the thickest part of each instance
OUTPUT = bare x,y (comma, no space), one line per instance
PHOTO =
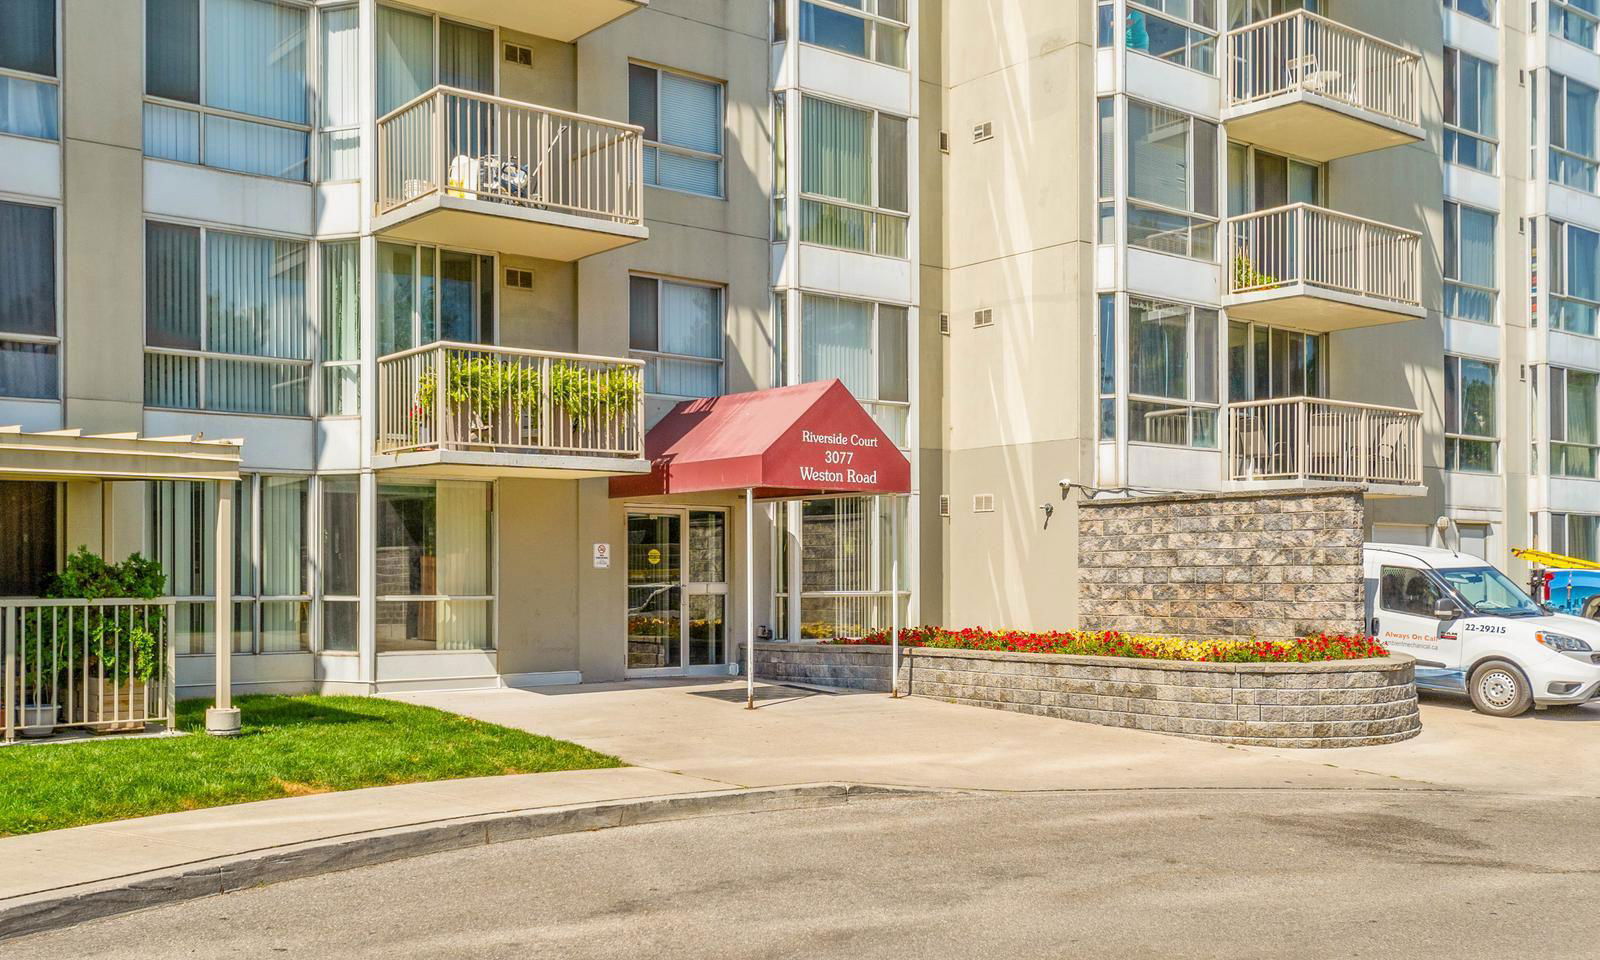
1473,630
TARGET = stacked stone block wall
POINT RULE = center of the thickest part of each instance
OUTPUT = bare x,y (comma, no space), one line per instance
1264,564
1337,704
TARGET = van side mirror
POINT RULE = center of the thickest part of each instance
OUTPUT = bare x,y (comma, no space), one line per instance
1446,609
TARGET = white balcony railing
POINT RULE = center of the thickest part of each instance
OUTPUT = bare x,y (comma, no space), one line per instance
1303,52
471,145
1303,438
1317,247
101,665
468,397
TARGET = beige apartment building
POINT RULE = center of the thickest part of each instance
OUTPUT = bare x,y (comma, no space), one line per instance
441,265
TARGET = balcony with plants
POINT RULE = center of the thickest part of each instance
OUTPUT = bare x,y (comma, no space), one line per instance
492,411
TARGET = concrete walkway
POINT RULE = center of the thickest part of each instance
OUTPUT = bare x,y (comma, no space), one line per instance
691,738
701,729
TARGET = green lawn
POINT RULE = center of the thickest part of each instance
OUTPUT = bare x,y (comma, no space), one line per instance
289,746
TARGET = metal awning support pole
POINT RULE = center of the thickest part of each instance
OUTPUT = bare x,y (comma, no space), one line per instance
750,598
222,719
894,596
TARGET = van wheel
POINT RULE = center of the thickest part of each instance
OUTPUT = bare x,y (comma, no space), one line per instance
1500,690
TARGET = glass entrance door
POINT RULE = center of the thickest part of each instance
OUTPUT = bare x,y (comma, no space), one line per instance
655,591
677,591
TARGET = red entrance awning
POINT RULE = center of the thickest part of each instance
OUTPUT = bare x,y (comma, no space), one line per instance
805,440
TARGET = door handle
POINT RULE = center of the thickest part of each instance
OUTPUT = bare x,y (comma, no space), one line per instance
1374,626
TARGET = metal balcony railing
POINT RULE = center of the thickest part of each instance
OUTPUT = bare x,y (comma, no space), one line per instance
1301,51
469,397
1305,438
101,665
1300,243
472,145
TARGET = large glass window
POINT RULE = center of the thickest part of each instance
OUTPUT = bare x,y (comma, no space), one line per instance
1172,182
435,589
30,93
341,328
1470,280
29,339
846,558
340,565
338,118
1575,535
1472,438
428,294
864,345
1172,373
226,85
1574,158
677,330
225,322
1177,31
1106,168
855,183
1575,21
1470,111
1271,363
1479,9
1574,278
417,52
29,549
869,29
683,122
271,577
1574,427
1107,392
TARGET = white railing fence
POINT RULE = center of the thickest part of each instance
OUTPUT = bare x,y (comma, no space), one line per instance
1302,51
101,665
472,145
463,396
1300,243
1303,438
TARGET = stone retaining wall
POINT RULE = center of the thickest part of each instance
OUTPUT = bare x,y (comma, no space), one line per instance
1268,564
1338,704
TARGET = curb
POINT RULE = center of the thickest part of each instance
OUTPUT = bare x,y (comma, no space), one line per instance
68,906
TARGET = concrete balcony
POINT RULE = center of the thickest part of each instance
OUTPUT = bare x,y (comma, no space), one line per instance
1307,440
1314,269
564,20
1305,86
464,169
468,410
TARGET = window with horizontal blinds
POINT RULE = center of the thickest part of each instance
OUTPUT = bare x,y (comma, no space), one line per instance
678,330
682,118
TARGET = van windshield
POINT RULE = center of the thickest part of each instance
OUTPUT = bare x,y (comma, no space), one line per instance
1490,592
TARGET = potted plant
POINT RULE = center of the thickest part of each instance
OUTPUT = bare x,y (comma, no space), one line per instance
117,651
584,398
37,712
483,398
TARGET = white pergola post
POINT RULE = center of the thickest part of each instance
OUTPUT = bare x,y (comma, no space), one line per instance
222,719
894,596
750,598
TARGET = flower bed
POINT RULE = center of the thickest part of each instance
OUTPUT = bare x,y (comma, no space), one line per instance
1110,643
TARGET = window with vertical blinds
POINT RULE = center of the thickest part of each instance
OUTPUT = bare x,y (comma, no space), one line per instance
339,137
1472,441
855,179
1574,153
677,329
846,560
864,346
29,86
1574,424
230,87
682,118
1470,287
30,341
226,325
341,328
